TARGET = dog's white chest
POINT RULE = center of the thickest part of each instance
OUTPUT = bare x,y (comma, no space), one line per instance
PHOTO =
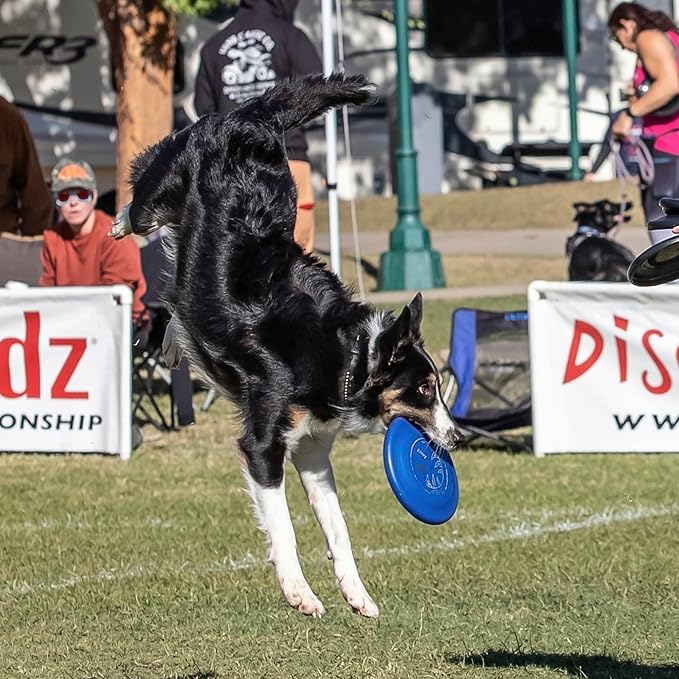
311,427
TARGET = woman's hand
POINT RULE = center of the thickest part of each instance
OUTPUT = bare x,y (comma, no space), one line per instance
622,125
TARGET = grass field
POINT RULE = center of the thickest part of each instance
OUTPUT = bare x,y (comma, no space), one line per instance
463,271
560,567
543,206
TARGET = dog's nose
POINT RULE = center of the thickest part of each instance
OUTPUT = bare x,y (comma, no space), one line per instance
454,439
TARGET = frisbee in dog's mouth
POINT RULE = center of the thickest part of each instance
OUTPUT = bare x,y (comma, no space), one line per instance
421,474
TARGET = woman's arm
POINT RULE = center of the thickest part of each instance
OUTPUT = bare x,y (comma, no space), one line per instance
659,59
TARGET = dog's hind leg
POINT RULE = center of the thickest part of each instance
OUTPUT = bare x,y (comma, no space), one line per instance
273,517
312,461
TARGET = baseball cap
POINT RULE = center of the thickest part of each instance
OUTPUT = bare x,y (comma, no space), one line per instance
73,174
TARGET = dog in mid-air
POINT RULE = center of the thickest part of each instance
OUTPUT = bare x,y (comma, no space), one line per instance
592,254
272,327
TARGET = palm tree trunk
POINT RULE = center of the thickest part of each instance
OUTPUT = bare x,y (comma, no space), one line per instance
142,36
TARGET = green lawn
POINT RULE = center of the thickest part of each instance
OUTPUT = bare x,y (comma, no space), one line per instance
542,206
556,567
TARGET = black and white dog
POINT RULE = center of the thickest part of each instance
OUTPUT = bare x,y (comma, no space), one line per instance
273,328
592,254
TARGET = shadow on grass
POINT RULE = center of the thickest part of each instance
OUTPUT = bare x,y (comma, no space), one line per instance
580,666
196,675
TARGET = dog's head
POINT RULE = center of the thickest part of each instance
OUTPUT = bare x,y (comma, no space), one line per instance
602,215
404,382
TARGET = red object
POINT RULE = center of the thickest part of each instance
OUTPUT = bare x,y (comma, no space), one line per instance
93,259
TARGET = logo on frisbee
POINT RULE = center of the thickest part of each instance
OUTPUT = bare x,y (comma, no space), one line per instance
428,467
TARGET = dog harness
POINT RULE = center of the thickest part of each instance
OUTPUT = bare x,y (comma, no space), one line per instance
582,232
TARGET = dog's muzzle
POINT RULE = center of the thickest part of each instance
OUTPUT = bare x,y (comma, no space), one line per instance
453,439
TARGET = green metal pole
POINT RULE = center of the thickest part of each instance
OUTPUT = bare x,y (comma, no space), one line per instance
410,264
570,47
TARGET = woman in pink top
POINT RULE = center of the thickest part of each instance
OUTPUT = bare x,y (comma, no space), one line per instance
654,38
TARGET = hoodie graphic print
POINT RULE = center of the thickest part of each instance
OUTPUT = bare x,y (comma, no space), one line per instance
260,47
249,72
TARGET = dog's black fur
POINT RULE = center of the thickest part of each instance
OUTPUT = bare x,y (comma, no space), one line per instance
593,255
270,326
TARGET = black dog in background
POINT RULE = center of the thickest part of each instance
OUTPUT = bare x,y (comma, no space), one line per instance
592,254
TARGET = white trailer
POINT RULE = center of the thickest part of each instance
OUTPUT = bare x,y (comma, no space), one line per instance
54,63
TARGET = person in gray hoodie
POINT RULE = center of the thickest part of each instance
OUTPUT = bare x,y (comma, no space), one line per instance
260,47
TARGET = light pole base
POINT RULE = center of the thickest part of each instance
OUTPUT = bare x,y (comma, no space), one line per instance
411,270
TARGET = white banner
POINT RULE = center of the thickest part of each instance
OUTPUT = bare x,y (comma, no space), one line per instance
604,367
65,369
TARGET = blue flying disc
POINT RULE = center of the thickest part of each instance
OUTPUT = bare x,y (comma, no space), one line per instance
420,473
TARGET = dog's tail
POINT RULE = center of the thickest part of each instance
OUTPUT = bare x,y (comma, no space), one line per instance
292,103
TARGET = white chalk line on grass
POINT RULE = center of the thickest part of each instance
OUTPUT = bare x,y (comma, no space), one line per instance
83,523
521,530
526,530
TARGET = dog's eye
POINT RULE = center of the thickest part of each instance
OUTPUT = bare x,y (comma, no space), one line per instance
424,389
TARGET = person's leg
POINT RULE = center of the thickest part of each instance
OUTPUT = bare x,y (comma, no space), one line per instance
182,392
304,225
665,183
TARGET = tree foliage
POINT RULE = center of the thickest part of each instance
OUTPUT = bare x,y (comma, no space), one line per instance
196,7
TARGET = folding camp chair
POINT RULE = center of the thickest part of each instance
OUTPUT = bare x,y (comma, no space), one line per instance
150,378
489,366
20,258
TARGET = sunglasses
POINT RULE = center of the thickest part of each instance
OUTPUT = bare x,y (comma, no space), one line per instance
81,195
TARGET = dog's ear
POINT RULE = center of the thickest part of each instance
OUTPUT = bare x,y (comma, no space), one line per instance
415,307
400,335
582,210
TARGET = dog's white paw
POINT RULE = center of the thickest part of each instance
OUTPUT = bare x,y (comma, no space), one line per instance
300,596
121,226
358,598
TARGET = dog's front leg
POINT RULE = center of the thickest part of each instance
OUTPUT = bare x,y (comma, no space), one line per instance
312,461
273,517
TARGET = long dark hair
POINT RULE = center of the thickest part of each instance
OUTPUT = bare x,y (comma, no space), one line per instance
645,18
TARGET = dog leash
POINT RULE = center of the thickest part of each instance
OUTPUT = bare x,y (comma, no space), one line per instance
644,160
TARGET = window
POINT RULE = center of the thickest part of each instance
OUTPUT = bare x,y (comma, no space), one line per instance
511,28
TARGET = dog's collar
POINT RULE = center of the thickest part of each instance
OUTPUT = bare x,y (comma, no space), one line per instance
583,231
349,377
587,231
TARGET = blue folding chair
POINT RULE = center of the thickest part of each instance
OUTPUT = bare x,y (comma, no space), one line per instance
489,367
